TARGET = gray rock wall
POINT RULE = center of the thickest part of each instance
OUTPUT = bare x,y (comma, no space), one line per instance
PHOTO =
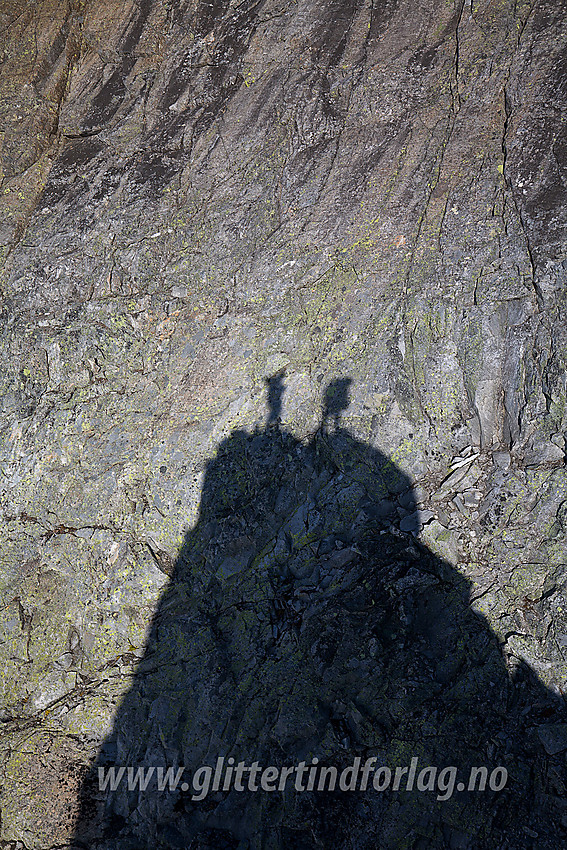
197,196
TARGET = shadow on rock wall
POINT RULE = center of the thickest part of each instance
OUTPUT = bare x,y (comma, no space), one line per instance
304,621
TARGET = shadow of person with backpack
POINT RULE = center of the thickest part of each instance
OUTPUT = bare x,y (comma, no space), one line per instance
303,629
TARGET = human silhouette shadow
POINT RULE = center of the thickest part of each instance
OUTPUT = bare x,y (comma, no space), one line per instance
301,623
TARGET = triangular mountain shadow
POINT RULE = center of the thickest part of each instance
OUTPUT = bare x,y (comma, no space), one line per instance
301,623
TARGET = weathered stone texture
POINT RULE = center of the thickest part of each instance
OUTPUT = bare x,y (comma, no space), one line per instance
195,196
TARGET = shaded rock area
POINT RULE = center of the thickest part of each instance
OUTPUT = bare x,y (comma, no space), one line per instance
198,196
302,624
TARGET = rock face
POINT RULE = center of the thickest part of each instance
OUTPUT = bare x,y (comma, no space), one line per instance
303,627
364,202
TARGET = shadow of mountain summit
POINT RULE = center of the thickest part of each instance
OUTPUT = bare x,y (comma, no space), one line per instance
302,624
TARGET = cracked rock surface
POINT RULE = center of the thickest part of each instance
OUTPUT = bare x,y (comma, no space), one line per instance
200,196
